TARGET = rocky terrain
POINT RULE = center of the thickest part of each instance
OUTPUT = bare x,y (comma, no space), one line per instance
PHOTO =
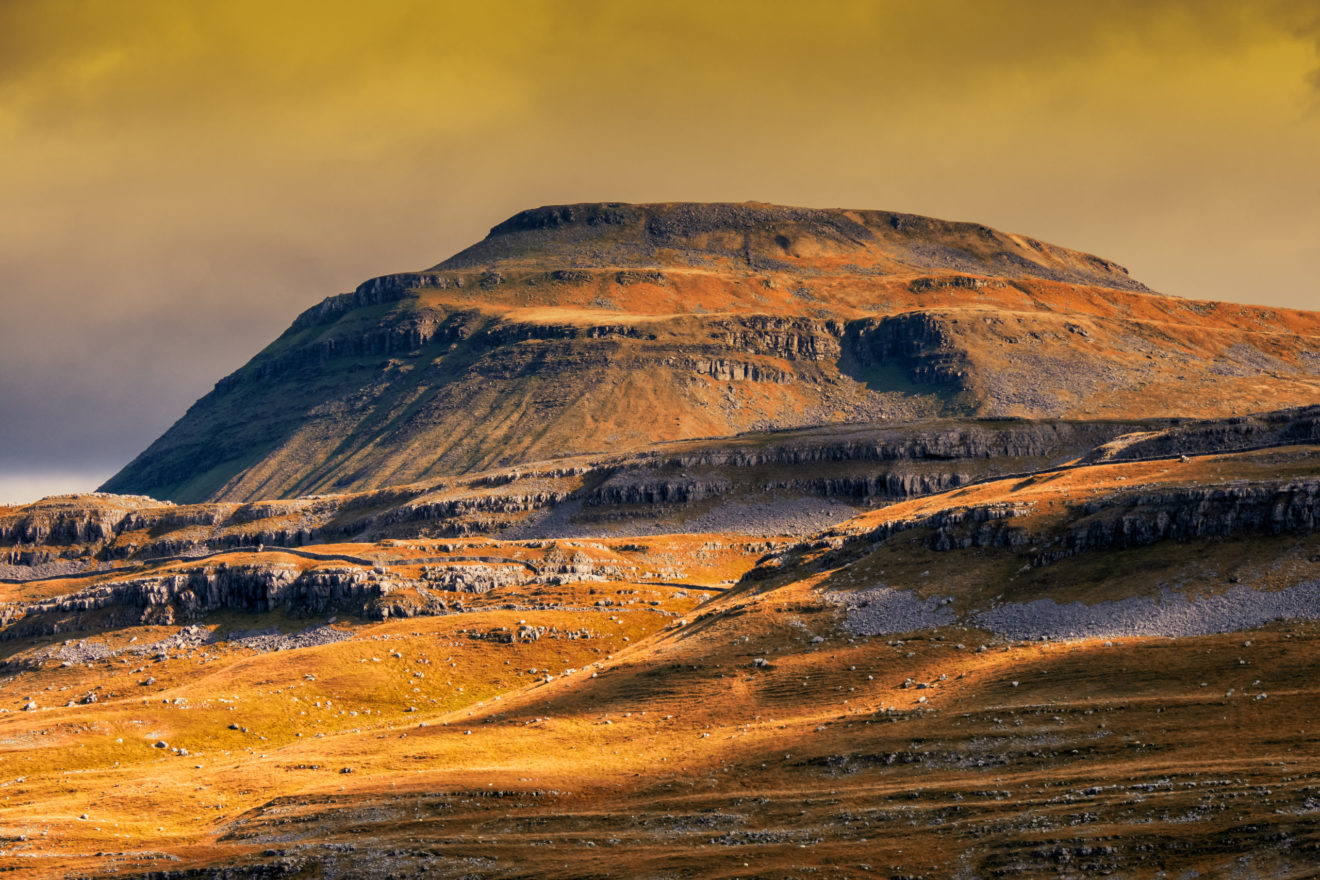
1258,431
694,541
791,482
1000,672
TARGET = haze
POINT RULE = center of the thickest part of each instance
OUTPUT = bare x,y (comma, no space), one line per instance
180,179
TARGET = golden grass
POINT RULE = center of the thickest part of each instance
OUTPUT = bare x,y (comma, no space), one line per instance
694,727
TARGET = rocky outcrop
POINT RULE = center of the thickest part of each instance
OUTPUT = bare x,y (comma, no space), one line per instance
862,465
1131,519
1039,528
384,289
773,237
454,513
1135,519
1196,513
627,489
789,338
1117,521
74,520
922,346
948,441
191,595
951,528
872,488
361,588
1287,427
187,596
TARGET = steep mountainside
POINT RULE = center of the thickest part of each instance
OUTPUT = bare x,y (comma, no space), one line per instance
590,328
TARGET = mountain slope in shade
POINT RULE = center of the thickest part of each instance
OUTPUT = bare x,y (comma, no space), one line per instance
608,327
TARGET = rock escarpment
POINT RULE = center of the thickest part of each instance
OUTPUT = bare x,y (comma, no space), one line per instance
1096,531
762,236
165,599
1139,518
663,490
1287,427
274,582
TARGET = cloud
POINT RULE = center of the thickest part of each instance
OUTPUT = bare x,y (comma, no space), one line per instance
182,177
24,488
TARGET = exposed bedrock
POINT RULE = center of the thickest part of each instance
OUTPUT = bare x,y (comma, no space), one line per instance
1126,520
424,371
921,346
1140,518
193,594
364,590
1118,521
938,442
1300,425
861,465
454,515
1121,521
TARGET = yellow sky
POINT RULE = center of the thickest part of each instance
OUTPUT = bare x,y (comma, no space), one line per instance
180,178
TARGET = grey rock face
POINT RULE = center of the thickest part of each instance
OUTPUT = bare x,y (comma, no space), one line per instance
361,589
1280,428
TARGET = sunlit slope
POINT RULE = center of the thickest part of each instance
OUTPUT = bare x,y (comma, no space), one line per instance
1163,547
1096,665
761,735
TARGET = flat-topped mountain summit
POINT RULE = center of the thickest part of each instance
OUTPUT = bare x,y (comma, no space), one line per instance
754,237
608,327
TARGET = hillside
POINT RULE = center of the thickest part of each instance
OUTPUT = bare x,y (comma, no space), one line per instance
609,328
1073,663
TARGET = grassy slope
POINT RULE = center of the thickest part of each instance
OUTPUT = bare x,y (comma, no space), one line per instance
1018,751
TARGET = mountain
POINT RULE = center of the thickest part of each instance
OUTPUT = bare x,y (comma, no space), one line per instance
601,328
